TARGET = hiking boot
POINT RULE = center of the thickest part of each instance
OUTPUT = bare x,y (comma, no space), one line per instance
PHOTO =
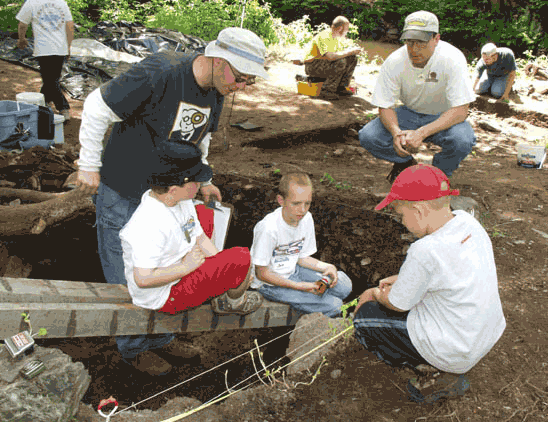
251,302
445,386
329,96
180,349
398,168
151,364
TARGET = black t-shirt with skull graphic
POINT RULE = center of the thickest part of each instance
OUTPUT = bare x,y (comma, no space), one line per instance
158,99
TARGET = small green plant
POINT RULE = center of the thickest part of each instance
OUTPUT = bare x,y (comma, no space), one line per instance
327,178
331,181
26,319
268,374
497,233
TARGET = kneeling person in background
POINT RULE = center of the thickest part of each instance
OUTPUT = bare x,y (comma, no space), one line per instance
283,242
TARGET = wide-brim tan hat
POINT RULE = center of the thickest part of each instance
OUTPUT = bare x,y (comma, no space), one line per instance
243,49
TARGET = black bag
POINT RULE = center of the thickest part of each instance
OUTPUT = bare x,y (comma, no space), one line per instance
46,123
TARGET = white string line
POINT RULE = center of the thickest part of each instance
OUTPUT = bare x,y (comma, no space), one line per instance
275,362
205,372
203,406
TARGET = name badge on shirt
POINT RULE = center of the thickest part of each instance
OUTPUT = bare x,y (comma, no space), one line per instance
188,228
432,77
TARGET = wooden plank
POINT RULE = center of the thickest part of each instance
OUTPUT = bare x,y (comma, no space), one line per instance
109,319
26,290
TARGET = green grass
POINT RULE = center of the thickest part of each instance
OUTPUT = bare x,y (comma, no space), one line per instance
7,18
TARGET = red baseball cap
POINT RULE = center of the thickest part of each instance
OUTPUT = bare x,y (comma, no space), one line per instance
419,183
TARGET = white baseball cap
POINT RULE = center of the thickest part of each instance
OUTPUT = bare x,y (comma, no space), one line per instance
243,49
489,49
418,25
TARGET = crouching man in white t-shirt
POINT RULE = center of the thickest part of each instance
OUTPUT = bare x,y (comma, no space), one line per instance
430,78
283,244
442,310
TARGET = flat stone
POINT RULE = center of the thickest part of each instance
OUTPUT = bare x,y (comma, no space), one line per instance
53,395
464,203
311,331
490,126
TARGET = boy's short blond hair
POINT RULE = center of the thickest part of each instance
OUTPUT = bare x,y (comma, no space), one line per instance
340,21
299,178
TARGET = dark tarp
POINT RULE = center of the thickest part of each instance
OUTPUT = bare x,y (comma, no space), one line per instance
82,74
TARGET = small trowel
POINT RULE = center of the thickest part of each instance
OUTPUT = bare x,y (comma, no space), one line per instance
246,125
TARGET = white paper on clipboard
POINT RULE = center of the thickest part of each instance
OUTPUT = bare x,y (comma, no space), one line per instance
222,213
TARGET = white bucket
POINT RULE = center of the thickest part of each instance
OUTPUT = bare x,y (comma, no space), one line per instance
531,156
59,136
31,98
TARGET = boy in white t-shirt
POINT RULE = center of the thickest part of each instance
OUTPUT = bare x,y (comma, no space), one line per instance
170,262
430,77
443,308
283,244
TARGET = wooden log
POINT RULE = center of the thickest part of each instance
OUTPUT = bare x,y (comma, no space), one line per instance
77,309
33,196
34,218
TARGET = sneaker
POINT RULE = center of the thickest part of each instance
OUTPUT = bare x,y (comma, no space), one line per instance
398,168
445,386
151,364
329,96
252,301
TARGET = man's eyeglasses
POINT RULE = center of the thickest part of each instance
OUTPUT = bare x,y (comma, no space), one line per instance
241,77
420,45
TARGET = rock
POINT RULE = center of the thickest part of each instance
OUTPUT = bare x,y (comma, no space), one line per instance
366,261
311,331
336,374
52,396
464,203
490,126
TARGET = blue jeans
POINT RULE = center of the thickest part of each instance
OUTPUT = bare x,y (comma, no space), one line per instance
456,142
113,212
328,304
495,84
384,333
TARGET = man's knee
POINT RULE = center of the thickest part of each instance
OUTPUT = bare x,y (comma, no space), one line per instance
462,136
344,283
497,91
368,133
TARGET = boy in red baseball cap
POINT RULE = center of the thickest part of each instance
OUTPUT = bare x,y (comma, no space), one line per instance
443,308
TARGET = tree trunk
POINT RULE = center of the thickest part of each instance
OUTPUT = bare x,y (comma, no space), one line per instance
34,218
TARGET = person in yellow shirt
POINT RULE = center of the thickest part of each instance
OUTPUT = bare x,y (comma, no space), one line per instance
329,58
